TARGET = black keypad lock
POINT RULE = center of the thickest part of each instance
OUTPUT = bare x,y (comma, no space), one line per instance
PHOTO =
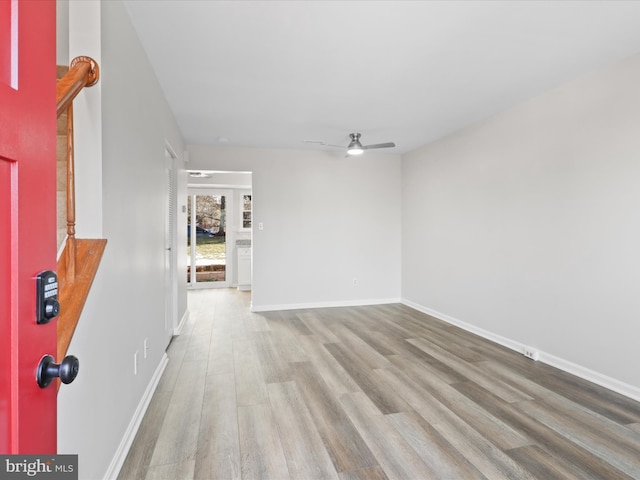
47,305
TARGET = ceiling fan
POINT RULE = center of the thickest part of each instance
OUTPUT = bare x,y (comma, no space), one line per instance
355,147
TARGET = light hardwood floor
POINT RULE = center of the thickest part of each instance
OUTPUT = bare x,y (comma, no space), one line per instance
369,392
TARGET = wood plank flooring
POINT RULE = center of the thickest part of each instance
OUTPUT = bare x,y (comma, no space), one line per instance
372,392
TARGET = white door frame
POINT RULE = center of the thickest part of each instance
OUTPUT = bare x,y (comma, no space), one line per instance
171,258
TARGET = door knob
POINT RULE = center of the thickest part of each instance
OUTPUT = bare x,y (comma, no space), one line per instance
67,370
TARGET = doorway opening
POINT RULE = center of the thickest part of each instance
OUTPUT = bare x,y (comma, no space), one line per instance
219,217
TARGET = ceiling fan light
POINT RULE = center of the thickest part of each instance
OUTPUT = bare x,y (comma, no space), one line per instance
355,148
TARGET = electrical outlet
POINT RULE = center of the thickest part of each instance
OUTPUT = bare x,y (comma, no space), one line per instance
146,347
530,353
355,282
135,363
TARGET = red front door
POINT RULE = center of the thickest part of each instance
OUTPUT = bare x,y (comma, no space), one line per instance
27,220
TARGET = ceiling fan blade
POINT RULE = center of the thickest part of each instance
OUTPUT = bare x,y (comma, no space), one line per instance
321,143
379,145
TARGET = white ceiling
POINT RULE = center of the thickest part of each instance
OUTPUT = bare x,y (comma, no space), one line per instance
279,73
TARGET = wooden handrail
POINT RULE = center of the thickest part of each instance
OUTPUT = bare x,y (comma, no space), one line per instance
83,72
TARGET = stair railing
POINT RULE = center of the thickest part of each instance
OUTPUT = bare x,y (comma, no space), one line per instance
83,72
75,278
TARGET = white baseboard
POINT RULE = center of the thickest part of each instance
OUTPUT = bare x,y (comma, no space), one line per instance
300,306
557,362
125,444
506,342
591,376
185,317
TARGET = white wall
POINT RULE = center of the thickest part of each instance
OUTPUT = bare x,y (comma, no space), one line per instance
125,304
527,225
62,29
85,40
327,220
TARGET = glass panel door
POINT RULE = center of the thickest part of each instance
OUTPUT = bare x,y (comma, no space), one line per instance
207,232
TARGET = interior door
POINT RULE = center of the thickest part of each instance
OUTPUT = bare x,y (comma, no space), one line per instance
27,220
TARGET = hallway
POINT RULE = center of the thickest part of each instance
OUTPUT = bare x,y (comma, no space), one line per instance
368,392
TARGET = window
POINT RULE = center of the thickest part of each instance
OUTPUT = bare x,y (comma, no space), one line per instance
246,211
